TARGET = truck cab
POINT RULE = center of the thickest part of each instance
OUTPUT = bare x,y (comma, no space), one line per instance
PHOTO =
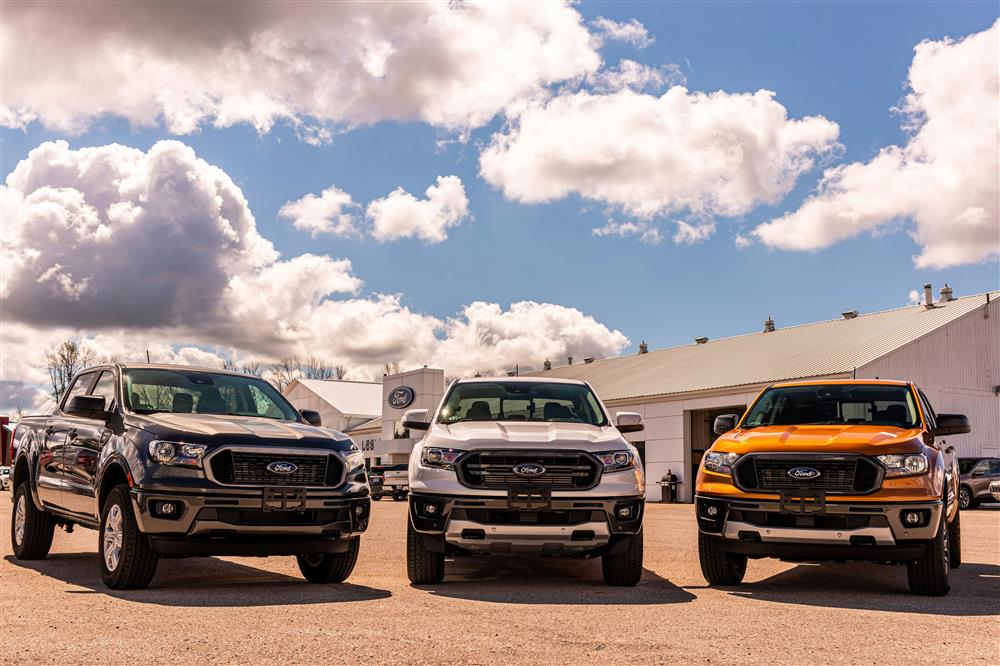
833,470
516,465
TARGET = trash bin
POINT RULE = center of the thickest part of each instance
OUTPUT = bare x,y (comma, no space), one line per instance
668,488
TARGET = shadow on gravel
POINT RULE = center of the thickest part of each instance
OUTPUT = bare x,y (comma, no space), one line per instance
975,589
541,580
202,581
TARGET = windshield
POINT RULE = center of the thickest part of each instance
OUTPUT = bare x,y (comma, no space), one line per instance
196,392
834,404
522,401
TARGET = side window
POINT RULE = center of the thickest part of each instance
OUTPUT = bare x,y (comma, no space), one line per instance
105,387
928,410
79,387
995,467
982,468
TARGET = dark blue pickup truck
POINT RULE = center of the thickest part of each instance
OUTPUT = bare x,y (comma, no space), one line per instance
180,461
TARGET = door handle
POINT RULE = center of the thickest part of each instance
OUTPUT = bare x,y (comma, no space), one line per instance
71,434
50,430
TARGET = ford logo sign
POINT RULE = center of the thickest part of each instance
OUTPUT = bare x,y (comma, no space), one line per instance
401,398
528,469
282,467
803,473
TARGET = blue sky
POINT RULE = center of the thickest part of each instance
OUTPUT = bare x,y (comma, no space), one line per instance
847,62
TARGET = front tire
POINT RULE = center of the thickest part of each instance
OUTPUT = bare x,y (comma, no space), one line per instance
423,567
929,575
31,530
398,497
965,499
955,541
376,498
717,566
127,560
330,567
624,569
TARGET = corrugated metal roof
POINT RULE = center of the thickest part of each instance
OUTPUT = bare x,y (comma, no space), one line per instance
809,350
373,424
349,398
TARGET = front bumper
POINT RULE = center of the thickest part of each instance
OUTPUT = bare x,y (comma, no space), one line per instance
507,525
250,522
793,528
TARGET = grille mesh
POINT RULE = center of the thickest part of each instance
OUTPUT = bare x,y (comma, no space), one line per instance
495,469
837,474
501,517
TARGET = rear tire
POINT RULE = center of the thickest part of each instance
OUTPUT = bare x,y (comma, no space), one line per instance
398,497
31,529
330,567
929,575
376,498
965,498
423,567
624,569
955,541
128,562
717,566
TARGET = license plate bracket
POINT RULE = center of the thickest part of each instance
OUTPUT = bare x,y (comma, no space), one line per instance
284,499
529,499
803,503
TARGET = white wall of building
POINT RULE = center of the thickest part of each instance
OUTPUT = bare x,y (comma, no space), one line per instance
428,388
958,368
303,398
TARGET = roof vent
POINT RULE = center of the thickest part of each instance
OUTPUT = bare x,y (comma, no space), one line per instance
769,325
928,295
547,365
511,373
946,294
643,347
588,359
849,314
570,360
700,341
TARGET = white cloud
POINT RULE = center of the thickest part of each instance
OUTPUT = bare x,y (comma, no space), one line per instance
453,65
329,213
633,75
402,215
710,154
692,234
647,231
945,179
157,251
742,242
632,32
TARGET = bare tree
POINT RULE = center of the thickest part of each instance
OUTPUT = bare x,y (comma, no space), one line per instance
64,361
284,372
339,372
390,368
251,368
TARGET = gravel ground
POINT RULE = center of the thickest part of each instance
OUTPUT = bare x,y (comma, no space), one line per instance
498,610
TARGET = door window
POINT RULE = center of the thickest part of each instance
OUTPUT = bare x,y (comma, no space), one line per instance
995,467
79,387
105,387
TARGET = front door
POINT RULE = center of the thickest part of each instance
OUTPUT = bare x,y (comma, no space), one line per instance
52,455
83,446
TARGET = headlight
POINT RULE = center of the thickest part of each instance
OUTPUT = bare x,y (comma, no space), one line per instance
439,458
903,464
722,463
614,461
177,453
353,460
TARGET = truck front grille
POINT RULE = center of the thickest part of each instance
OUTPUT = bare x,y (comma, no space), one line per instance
838,474
245,468
572,470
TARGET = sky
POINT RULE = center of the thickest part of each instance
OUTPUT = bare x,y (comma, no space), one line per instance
479,186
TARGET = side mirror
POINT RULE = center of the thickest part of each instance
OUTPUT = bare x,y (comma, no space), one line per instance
725,423
87,407
952,424
979,472
416,419
629,422
312,417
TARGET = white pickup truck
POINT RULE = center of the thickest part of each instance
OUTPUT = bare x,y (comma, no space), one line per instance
528,466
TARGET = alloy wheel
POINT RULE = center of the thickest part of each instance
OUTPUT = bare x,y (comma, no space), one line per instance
113,538
19,520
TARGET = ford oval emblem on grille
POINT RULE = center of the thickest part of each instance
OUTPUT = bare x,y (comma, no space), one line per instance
528,469
282,467
803,473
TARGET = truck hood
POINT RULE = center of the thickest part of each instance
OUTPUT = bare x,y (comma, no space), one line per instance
222,428
863,439
516,435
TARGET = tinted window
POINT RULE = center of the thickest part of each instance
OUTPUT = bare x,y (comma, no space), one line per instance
965,465
79,387
995,467
522,401
834,404
149,390
105,387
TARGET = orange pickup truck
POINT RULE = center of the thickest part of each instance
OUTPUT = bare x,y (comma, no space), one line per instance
833,470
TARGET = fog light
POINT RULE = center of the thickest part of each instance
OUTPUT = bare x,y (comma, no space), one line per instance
168,508
911,517
624,511
359,510
430,509
711,510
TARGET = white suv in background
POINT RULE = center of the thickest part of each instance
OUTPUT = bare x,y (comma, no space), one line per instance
527,466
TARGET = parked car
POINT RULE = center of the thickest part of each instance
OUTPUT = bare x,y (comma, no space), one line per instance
392,480
995,490
4,477
974,483
524,465
178,461
375,480
833,470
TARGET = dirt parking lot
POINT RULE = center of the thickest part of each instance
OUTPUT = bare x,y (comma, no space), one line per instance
495,611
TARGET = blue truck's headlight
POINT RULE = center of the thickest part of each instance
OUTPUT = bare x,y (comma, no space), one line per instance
177,453
353,460
615,461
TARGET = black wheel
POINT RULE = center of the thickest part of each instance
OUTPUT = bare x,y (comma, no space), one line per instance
965,498
955,541
929,575
31,530
717,566
330,567
127,560
376,498
625,568
424,567
398,497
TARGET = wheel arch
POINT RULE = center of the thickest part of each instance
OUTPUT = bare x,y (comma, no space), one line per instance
113,474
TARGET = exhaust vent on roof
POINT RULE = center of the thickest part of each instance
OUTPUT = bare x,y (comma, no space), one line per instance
928,295
768,325
700,341
946,294
643,347
547,365
570,360
849,314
